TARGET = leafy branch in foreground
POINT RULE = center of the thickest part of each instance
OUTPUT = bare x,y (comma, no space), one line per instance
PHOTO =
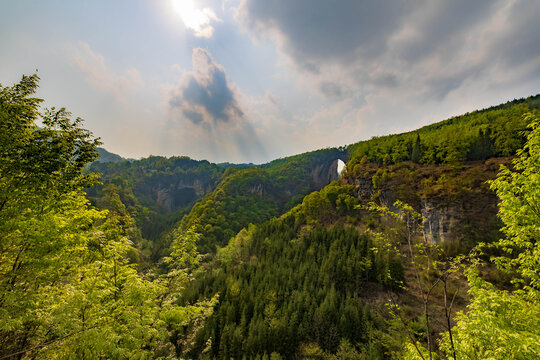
430,268
67,288
504,324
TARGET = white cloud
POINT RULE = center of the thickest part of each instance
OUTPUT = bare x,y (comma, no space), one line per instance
93,66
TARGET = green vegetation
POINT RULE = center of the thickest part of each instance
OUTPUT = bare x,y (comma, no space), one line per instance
253,195
294,173
106,156
354,270
505,324
156,192
67,288
244,196
493,132
296,284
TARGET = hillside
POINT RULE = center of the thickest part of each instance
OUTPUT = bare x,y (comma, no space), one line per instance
320,275
323,253
219,200
493,132
401,256
106,156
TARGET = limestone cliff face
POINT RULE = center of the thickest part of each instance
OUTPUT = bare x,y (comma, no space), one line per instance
181,193
323,174
257,189
441,221
455,204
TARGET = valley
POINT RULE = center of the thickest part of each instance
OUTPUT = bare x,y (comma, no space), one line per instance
392,257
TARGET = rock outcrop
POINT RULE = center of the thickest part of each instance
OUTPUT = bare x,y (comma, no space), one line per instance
181,193
441,221
323,174
455,204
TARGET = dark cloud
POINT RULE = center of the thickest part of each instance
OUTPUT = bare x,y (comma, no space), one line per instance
439,88
442,25
522,43
194,116
384,80
206,106
204,94
331,89
435,46
319,30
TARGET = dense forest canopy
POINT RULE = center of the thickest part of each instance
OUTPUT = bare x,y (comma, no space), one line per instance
493,132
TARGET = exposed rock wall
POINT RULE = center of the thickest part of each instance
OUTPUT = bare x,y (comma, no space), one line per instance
323,174
441,221
455,204
181,193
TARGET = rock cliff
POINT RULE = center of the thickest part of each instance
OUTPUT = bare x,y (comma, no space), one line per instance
456,204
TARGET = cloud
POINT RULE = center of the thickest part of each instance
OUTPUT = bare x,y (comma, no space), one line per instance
319,31
204,95
198,20
96,72
331,89
207,115
358,68
429,48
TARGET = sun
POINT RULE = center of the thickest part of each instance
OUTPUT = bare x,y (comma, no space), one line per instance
195,18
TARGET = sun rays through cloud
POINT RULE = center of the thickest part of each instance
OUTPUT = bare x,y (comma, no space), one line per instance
196,19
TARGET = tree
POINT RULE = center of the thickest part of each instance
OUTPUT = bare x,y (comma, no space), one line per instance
430,268
67,288
481,148
519,208
503,324
417,150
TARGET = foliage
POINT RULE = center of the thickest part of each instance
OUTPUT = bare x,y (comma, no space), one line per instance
519,208
431,271
106,156
256,194
498,325
479,135
293,173
157,192
67,288
294,281
504,324
244,196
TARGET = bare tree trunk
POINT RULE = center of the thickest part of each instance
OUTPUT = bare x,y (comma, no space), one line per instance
448,312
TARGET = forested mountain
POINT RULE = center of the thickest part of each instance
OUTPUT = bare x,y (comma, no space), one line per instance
157,192
316,281
254,195
493,132
297,280
172,258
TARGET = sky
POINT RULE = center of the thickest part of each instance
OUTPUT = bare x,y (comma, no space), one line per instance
255,80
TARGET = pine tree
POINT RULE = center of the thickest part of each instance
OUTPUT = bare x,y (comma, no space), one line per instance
417,151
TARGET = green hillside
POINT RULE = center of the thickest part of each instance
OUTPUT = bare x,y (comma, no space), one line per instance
156,192
106,156
298,280
253,195
315,282
493,132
